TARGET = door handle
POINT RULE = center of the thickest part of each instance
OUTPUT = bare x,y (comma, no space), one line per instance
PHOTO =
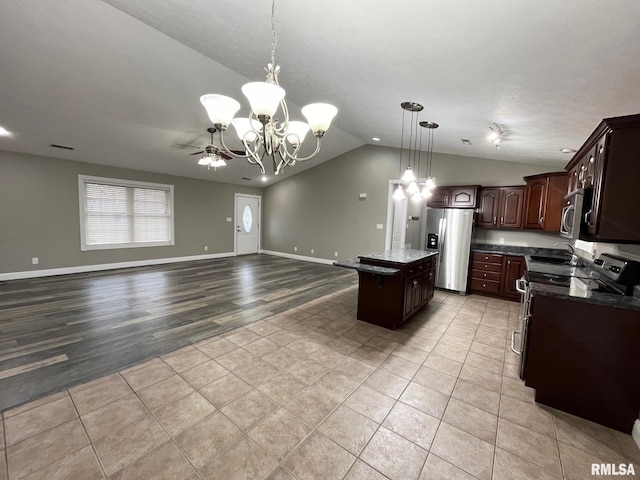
513,342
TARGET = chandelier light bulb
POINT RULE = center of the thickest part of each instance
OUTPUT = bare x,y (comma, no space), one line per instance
244,128
399,193
220,108
263,97
297,131
319,116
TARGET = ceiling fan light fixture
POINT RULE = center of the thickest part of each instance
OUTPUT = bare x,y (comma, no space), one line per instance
205,160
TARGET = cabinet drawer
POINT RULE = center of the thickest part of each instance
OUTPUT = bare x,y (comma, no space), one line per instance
485,286
487,267
487,258
485,275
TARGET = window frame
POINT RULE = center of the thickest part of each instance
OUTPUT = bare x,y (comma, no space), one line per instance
83,180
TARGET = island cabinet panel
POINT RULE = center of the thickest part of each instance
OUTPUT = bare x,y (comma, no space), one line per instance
389,300
582,358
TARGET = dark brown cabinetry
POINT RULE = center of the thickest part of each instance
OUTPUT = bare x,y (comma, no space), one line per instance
496,275
389,300
501,207
544,201
608,163
581,359
513,269
464,196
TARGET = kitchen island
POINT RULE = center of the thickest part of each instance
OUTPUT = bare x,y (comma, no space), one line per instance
393,285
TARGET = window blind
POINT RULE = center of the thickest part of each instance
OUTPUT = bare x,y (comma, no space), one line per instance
120,214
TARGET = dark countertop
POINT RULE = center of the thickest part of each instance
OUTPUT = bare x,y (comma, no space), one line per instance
361,267
401,257
580,288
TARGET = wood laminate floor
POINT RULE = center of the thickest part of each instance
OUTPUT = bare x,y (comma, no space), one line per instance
57,332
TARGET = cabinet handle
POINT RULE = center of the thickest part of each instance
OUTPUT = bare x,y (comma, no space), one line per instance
485,266
541,220
484,275
587,218
415,284
501,220
601,148
494,220
484,285
591,159
508,263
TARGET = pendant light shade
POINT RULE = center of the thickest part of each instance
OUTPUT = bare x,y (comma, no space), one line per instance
263,97
431,183
399,193
244,127
426,193
297,131
319,116
220,108
408,176
412,188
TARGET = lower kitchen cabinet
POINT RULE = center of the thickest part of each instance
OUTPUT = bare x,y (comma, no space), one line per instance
582,358
496,275
389,300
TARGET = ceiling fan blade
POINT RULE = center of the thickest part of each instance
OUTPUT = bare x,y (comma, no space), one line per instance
225,156
197,153
183,145
239,152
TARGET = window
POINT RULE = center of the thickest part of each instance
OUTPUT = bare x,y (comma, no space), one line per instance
123,214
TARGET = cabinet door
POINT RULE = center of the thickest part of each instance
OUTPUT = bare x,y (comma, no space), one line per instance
488,208
428,285
513,269
409,295
592,212
536,203
511,203
464,197
439,198
417,293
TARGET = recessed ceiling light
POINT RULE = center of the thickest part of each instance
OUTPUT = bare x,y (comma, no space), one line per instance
4,132
465,141
375,139
568,150
264,178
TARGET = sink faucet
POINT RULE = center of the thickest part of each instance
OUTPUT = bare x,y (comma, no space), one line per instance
574,257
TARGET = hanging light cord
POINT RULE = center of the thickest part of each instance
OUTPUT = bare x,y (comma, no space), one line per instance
401,143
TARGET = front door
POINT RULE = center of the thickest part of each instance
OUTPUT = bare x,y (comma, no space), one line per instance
247,224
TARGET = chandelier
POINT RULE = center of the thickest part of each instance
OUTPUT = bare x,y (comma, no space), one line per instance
262,134
409,185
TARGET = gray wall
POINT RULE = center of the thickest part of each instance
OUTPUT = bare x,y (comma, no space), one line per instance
39,215
319,208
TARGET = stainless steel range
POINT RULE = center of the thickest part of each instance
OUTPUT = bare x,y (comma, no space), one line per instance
608,274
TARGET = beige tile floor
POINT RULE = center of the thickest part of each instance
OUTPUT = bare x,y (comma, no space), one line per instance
315,394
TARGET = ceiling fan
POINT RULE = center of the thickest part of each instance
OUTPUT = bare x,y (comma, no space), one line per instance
212,155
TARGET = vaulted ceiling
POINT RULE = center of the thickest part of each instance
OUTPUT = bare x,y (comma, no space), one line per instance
120,80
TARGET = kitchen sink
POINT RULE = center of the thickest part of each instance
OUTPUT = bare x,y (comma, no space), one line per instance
551,260
549,278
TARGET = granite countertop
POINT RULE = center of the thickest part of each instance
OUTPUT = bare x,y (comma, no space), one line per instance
401,257
361,267
581,286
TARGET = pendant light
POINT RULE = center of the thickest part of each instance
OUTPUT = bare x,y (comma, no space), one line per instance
414,108
431,181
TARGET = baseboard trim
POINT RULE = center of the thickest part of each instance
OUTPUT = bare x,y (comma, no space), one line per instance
636,432
324,261
109,266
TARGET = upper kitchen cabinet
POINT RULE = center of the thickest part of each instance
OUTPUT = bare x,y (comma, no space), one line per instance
464,196
501,207
544,201
608,163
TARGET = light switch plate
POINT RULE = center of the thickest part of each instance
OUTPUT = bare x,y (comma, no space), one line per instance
229,219
379,226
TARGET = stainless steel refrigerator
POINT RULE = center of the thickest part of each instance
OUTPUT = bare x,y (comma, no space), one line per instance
449,230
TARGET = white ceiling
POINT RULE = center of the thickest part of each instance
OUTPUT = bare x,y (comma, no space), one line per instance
120,80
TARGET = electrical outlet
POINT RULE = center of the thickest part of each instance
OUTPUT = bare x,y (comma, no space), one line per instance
335,254
379,226
312,250
206,248
34,261
229,219
295,249
501,241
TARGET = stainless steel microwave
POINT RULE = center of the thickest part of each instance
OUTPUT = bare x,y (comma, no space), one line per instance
573,213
